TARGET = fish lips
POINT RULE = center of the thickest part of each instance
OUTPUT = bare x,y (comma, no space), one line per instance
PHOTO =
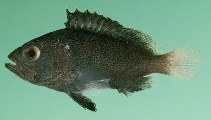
20,69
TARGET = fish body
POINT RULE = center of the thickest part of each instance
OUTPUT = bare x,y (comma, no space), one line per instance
92,52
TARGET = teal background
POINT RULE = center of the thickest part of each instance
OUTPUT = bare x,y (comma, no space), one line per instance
171,23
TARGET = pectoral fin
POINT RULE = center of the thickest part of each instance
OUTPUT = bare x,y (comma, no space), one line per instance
83,101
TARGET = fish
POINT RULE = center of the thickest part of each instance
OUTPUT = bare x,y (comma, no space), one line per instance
95,52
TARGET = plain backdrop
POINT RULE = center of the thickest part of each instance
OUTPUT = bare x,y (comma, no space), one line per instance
171,23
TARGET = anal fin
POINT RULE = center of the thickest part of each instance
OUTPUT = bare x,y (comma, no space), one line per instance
128,85
141,83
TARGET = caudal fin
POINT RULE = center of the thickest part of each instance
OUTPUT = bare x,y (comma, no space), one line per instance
181,62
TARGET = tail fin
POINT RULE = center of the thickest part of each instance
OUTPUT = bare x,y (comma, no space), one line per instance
181,62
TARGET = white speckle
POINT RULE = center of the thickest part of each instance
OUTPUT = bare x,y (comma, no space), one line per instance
41,45
79,74
67,47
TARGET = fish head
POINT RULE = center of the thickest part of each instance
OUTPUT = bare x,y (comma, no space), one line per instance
42,60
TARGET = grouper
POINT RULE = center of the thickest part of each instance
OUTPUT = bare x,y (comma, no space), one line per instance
95,52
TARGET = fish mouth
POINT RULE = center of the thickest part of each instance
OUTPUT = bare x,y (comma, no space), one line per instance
14,66
20,69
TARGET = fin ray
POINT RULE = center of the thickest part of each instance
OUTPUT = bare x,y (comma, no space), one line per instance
130,85
181,62
104,25
83,101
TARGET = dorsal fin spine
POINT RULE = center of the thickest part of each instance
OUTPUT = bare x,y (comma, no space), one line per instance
104,25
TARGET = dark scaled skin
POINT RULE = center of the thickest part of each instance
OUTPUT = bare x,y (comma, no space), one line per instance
74,59
71,59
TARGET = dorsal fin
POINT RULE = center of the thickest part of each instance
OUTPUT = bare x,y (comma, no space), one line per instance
104,25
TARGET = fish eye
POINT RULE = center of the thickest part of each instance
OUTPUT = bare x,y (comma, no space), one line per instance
32,53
